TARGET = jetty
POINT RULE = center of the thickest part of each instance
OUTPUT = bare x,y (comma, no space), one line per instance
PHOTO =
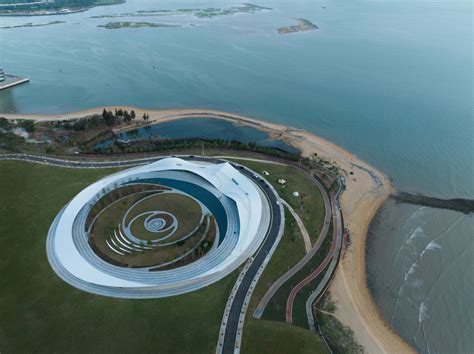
7,81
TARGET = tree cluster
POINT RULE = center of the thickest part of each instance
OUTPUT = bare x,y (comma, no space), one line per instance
186,144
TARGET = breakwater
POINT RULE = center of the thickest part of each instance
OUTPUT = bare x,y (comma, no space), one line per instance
465,206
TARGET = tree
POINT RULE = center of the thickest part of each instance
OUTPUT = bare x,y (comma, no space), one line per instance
110,119
127,117
4,123
28,125
132,114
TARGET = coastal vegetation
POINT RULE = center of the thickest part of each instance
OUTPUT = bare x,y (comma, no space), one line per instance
339,338
84,135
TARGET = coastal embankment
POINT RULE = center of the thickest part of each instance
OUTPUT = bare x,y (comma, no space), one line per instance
365,192
465,206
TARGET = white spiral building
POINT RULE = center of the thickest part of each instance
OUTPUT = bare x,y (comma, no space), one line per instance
245,208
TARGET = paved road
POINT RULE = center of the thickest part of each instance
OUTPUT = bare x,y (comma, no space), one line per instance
231,344
317,271
52,161
298,266
322,286
304,232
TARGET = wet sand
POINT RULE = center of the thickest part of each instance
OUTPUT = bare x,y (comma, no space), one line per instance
366,190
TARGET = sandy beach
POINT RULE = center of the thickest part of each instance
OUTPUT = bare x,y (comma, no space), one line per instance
366,190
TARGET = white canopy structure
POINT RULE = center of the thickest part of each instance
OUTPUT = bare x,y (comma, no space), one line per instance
248,220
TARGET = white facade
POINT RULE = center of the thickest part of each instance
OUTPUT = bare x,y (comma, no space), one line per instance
253,219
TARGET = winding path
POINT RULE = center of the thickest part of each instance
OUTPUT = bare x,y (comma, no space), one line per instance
298,266
317,293
317,271
304,232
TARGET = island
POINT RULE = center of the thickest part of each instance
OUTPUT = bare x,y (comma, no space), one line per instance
50,7
202,13
126,24
303,25
31,24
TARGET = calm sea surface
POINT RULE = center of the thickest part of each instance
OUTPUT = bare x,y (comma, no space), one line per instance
391,81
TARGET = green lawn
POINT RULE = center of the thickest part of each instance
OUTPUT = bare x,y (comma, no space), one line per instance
276,308
41,313
309,205
263,336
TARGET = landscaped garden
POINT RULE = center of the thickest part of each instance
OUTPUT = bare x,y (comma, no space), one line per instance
41,312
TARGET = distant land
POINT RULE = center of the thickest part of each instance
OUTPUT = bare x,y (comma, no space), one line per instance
55,7
196,12
118,25
303,25
31,24
58,7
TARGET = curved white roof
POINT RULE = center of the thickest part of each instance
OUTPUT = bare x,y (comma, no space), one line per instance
225,178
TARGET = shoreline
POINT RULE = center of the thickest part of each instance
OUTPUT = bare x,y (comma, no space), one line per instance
366,190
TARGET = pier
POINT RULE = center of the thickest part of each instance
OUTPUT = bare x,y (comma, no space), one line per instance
12,80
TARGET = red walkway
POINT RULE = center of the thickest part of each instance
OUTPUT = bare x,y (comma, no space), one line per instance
313,275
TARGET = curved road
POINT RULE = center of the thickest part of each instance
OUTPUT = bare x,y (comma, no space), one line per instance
317,271
317,293
233,322
298,266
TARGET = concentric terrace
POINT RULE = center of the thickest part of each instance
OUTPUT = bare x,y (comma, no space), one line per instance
162,229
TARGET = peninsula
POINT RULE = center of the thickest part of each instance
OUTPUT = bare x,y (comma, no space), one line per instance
366,189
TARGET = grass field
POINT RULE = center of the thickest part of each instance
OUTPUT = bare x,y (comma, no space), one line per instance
276,308
308,205
41,313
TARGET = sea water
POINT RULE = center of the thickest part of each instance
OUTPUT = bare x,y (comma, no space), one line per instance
390,81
